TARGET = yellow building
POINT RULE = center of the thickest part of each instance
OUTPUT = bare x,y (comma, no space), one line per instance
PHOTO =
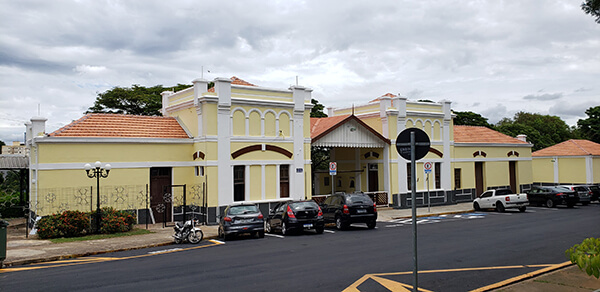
464,161
569,162
235,142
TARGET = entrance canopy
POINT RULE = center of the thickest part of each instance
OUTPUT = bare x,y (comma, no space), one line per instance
345,131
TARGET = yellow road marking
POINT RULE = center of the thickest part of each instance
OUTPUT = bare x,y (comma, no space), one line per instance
521,277
397,286
88,260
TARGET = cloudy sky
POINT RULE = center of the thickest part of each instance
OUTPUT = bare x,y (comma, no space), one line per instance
490,57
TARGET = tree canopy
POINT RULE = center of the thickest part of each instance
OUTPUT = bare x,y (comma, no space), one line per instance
590,127
134,100
592,7
541,130
470,119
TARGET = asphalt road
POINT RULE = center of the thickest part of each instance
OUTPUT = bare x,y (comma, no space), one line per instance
455,254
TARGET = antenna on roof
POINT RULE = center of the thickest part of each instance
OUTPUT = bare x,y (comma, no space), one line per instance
352,109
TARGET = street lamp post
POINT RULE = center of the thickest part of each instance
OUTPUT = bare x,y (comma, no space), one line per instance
97,172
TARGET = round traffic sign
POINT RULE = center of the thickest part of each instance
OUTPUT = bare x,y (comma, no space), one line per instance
422,143
427,165
332,166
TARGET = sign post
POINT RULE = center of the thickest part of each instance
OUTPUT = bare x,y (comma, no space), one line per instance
427,167
332,172
413,144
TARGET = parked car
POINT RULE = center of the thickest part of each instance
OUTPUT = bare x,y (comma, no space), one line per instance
595,192
241,218
500,199
582,192
552,196
293,216
344,209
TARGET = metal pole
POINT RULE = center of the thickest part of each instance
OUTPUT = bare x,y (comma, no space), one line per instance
428,196
147,210
184,206
98,172
413,171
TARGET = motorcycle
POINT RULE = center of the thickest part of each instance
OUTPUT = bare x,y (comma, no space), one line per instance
188,232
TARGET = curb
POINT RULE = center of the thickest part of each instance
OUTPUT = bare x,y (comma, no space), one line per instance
70,256
523,277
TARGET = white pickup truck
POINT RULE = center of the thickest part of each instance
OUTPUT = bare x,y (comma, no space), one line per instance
501,199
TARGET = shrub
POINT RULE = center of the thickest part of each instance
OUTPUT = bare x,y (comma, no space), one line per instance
66,224
587,256
76,223
113,221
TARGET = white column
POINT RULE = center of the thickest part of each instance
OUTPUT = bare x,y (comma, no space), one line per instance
446,174
225,168
401,125
556,174
200,87
589,170
297,184
263,187
357,178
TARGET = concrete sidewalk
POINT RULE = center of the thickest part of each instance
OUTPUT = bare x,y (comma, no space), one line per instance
22,251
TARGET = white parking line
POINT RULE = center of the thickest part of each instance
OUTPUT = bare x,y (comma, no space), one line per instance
275,235
329,231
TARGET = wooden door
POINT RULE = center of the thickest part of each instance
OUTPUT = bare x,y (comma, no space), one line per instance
512,172
478,178
160,177
373,178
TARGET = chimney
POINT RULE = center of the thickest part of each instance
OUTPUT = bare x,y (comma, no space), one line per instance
522,137
38,126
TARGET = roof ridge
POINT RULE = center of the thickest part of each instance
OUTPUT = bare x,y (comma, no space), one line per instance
579,146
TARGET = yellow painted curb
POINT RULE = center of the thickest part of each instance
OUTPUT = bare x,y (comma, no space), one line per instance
522,277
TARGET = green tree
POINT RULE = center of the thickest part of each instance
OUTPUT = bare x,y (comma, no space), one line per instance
587,256
592,7
541,130
1,144
134,100
317,110
470,119
590,127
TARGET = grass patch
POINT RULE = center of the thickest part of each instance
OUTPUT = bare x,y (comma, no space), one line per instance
101,236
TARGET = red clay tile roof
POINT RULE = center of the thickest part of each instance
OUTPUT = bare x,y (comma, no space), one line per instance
235,81
474,134
118,125
571,147
320,127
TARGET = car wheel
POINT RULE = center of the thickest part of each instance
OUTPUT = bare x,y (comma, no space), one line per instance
195,236
476,206
499,207
284,229
268,227
570,205
261,234
549,203
585,203
320,230
339,224
371,224
522,209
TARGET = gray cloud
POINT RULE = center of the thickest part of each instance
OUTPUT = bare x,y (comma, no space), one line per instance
543,97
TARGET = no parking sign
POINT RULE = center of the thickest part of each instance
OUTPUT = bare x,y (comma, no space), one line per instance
427,166
332,168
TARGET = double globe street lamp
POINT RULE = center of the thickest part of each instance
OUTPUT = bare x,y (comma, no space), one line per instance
97,172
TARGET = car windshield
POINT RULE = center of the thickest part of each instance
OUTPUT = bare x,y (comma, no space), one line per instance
245,209
358,199
594,188
304,205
